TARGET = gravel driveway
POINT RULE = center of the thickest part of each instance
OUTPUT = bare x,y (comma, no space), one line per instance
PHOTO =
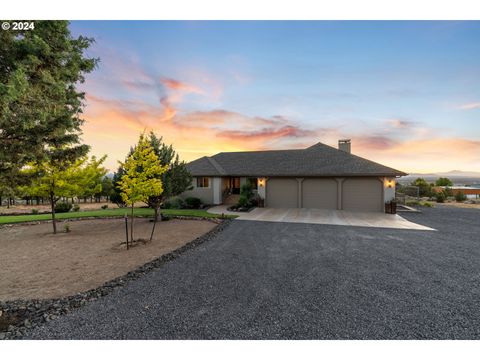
261,280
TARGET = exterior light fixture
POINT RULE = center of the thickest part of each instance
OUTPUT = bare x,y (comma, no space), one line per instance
389,183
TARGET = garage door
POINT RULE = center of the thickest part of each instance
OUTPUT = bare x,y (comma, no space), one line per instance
319,194
282,193
362,195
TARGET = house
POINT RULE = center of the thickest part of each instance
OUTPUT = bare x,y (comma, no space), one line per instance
319,176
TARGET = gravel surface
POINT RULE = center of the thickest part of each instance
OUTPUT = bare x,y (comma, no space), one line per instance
261,280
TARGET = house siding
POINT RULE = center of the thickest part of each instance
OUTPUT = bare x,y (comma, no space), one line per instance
203,193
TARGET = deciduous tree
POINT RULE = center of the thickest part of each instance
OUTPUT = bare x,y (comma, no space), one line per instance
443,181
141,178
66,179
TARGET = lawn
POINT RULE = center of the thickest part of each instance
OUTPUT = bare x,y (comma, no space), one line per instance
10,219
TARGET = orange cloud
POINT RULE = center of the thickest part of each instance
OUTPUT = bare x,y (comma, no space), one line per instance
264,134
422,155
173,84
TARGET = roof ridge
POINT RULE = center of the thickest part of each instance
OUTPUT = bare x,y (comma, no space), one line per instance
216,165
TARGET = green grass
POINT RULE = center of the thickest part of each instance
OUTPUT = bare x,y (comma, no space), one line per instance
11,219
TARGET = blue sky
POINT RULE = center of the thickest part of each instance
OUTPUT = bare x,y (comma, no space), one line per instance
407,93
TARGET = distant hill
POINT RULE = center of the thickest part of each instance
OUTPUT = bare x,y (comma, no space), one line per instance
457,176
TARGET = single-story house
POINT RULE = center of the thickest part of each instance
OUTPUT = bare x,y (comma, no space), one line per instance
319,176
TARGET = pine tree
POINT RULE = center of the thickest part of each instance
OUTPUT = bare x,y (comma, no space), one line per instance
40,106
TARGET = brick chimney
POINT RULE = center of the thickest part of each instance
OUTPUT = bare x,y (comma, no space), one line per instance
345,145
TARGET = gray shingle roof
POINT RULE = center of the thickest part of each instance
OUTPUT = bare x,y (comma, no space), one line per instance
316,160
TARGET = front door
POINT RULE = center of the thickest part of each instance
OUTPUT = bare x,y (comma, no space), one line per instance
234,185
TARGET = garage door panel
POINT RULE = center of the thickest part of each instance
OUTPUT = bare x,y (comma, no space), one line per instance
362,195
319,194
282,193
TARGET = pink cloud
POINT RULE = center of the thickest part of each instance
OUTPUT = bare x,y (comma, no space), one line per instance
470,106
173,84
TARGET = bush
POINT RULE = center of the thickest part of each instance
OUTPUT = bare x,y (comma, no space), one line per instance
440,197
166,205
63,207
243,201
460,196
76,207
193,202
412,203
34,211
246,191
174,203
104,207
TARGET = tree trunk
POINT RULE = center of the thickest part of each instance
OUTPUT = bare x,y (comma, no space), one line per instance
131,227
155,219
54,222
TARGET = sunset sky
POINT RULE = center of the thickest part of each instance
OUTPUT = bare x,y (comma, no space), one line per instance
406,93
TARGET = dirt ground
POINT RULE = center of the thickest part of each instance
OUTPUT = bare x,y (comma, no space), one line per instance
34,263
27,209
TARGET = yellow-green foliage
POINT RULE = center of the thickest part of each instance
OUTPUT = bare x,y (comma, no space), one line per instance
52,179
142,174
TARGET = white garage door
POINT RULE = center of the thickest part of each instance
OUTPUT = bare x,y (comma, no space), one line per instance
362,195
319,194
282,193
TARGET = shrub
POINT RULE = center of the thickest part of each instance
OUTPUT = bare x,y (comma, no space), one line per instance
76,207
166,205
34,211
426,204
412,203
448,192
63,207
193,202
174,203
460,196
66,228
104,207
243,201
246,191
440,197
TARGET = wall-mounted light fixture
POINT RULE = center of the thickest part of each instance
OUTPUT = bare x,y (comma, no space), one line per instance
261,182
390,183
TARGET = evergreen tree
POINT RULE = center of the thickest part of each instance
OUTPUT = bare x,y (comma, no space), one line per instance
40,105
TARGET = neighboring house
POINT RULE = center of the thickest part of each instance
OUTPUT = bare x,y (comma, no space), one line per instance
319,176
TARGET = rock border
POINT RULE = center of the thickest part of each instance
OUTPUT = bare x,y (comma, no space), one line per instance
22,315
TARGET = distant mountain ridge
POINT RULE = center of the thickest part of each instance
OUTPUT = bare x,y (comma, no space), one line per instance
451,173
458,177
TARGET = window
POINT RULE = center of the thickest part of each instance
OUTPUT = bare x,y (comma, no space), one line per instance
253,183
202,182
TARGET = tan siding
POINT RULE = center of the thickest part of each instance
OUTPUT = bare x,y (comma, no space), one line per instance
204,194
